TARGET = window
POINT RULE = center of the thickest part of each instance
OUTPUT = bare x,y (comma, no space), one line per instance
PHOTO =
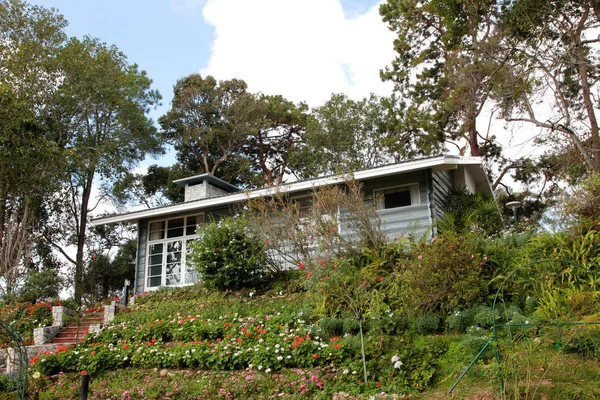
397,196
168,243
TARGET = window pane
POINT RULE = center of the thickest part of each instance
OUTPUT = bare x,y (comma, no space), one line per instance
156,260
191,276
175,228
174,246
156,248
155,270
173,280
157,230
400,198
153,282
191,226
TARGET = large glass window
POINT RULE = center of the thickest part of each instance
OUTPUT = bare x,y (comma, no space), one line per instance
168,243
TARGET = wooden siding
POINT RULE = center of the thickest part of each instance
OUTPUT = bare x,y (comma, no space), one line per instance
415,219
442,183
140,272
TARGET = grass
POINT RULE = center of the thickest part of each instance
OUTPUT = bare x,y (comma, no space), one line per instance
431,363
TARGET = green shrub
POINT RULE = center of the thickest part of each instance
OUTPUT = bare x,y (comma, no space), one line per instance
7,384
228,257
427,324
479,315
351,326
441,275
329,327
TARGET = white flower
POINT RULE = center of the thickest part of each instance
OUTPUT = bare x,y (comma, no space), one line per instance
280,358
268,370
398,364
395,359
36,375
260,367
345,372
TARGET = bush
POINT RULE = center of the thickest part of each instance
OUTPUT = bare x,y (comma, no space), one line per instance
228,257
7,385
426,324
441,275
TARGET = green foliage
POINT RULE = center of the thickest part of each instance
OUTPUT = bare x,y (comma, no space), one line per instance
465,212
345,134
42,285
480,316
25,317
208,124
441,275
228,257
583,206
426,324
457,71
7,384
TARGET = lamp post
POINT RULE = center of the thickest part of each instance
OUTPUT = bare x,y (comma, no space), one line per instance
126,291
514,205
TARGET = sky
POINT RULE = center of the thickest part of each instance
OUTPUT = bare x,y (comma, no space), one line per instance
304,50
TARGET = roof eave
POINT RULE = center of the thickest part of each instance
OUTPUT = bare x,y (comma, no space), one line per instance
438,163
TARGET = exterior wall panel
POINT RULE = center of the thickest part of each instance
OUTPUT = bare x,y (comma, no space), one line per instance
442,183
140,270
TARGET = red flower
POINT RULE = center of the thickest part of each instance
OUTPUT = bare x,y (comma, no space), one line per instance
93,352
315,356
83,372
379,279
125,347
378,384
300,265
337,346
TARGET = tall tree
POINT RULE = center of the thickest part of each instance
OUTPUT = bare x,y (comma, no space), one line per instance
209,123
555,76
273,147
31,157
348,134
448,60
100,110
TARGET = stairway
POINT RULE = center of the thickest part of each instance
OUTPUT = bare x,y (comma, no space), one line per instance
74,333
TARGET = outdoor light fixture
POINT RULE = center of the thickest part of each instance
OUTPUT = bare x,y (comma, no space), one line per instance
126,292
514,205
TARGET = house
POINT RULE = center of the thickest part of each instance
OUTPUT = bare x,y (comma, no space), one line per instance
410,197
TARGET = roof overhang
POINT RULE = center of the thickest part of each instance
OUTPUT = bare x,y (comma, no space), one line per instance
440,163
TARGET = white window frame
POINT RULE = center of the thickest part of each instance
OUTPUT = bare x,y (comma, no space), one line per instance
165,241
415,198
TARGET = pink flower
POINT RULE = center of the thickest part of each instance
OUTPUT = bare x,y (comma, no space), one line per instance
420,257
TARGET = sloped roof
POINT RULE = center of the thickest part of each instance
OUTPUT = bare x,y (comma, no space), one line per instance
438,163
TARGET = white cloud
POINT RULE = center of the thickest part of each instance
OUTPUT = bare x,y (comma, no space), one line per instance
303,49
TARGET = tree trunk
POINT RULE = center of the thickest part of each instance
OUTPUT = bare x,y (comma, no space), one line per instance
472,131
82,234
586,93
